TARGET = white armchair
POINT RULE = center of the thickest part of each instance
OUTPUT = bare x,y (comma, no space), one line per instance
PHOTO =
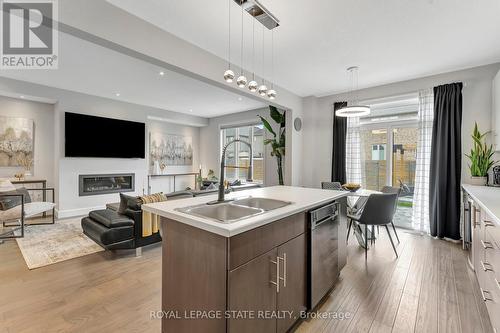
15,216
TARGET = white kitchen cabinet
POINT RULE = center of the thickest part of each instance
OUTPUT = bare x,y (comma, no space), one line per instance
496,111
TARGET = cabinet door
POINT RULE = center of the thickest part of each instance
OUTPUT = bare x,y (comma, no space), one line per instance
251,289
477,236
292,292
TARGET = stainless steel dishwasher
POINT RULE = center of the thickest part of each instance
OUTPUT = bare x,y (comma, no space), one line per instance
323,249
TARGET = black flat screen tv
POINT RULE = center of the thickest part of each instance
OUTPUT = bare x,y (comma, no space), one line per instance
90,136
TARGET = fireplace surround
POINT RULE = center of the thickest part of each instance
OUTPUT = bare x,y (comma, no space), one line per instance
105,183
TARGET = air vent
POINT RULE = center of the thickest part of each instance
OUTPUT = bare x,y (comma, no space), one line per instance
259,12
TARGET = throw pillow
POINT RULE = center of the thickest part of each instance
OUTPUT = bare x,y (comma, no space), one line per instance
8,202
128,201
157,197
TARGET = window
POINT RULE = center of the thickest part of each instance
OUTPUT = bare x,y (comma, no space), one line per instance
237,154
378,152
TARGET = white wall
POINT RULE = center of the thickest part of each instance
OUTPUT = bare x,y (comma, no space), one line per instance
318,115
43,116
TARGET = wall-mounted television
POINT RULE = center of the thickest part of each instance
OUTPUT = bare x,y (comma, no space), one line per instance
91,136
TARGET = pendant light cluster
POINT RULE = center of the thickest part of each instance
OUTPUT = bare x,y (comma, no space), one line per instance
257,12
353,109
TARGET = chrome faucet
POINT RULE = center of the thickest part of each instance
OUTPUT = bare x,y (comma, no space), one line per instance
223,166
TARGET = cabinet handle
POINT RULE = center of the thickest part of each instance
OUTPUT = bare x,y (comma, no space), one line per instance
284,269
488,223
483,292
486,245
486,266
277,283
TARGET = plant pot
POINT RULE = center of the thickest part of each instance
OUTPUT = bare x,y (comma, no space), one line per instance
479,181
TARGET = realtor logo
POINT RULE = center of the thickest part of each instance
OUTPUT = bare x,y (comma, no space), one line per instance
29,34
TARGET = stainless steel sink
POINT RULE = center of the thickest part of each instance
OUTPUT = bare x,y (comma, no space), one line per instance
225,212
233,211
261,203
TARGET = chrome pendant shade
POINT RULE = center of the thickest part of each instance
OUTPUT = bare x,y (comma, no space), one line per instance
353,108
253,86
259,14
241,81
229,76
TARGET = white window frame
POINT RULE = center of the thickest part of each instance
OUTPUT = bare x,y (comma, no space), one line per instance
236,126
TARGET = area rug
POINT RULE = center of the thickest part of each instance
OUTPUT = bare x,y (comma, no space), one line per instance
44,245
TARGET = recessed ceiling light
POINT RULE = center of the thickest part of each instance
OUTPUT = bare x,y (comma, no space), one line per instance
190,110
240,99
162,73
22,96
117,94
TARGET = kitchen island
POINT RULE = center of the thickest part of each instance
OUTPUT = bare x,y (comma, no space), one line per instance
250,274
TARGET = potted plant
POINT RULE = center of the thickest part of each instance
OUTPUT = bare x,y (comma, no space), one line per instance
278,141
480,158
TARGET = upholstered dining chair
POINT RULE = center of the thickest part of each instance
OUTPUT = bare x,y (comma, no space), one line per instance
378,211
397,190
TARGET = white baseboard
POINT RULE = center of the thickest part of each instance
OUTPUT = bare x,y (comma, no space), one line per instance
66,213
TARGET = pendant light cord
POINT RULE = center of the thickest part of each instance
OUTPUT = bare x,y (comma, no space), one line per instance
241,4
272,58
253,44
229,32
263,66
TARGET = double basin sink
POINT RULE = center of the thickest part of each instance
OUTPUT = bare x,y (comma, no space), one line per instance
239,209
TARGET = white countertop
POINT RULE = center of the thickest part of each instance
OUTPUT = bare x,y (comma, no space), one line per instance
487,197
302,199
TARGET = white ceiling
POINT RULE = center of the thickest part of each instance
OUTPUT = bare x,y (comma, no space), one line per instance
88,68
391,40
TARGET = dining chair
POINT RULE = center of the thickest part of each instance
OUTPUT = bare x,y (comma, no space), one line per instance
397,190
378,211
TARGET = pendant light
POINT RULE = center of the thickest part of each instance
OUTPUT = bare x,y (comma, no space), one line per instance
241,81
262,88
229,74
271,93
253,85
353,109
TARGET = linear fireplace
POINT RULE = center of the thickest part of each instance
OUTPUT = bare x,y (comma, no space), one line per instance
104,184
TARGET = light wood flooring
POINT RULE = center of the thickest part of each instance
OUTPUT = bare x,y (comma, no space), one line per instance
428,289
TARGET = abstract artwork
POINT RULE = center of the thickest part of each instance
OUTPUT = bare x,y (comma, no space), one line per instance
169,149
16,142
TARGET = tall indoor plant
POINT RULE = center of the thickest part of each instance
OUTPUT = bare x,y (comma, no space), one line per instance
481,157
278,141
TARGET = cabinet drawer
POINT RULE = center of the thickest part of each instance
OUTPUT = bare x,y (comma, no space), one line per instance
251,244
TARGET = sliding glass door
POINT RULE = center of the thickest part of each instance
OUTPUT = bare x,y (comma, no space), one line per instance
388,158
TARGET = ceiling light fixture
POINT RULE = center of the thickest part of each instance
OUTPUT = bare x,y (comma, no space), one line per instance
229,74
162,73
261,14
242,80
253,85
117,94
22,96
353,109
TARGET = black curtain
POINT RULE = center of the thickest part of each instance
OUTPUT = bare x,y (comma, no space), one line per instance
338,147
446,162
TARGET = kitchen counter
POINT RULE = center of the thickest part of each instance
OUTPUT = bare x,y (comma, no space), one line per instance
487,197
302,199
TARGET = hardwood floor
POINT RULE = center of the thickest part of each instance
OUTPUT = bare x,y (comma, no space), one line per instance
428,289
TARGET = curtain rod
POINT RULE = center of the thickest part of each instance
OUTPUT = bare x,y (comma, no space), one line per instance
464,83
